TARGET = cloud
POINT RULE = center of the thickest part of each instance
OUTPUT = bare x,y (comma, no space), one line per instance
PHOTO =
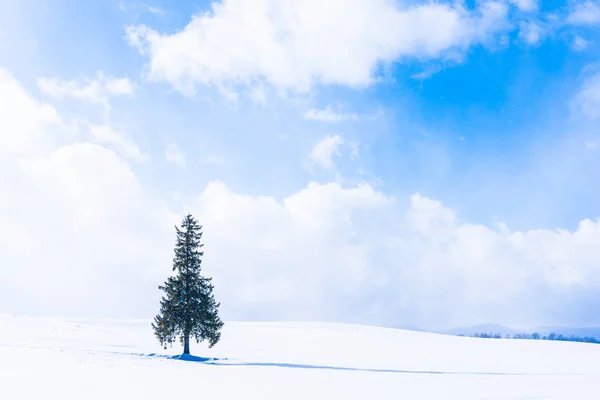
97,90
144,7
82,235
525,5
532,32
319,219
580,44
224,47
258,95
323,152
587,99
587,13
373,259
427,73
74,218
106,135
174,155
328,115
81,213
23,119
155,10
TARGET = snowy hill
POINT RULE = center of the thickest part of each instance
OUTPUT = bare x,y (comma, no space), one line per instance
66,359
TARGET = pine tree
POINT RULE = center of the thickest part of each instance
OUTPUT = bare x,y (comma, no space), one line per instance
188,307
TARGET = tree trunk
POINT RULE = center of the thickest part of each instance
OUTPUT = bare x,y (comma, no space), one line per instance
186,344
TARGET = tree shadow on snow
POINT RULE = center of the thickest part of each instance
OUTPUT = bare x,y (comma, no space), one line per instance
224,362
334,368
185,357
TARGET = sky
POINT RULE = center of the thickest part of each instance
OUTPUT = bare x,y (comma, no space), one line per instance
395,163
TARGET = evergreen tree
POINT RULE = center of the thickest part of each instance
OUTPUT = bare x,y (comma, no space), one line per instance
188,307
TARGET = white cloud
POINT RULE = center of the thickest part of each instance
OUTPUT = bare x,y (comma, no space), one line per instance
228,94
526,5
118,86
587,13
106,135
155,10
318,220
80,213
174,155
328,115
427,73
244,42
81,235
258,95
588,98
580,44
417,265
144,7
71,210
430,217
23,119
323,152
97,90
531,32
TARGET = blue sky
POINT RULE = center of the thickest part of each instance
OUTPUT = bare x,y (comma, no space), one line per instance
420,151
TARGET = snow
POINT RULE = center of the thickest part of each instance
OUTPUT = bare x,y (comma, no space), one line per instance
43,358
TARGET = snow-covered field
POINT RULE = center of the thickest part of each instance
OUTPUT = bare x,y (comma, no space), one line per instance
67,359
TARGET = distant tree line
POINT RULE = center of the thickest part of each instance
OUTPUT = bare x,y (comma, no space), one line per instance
537,336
